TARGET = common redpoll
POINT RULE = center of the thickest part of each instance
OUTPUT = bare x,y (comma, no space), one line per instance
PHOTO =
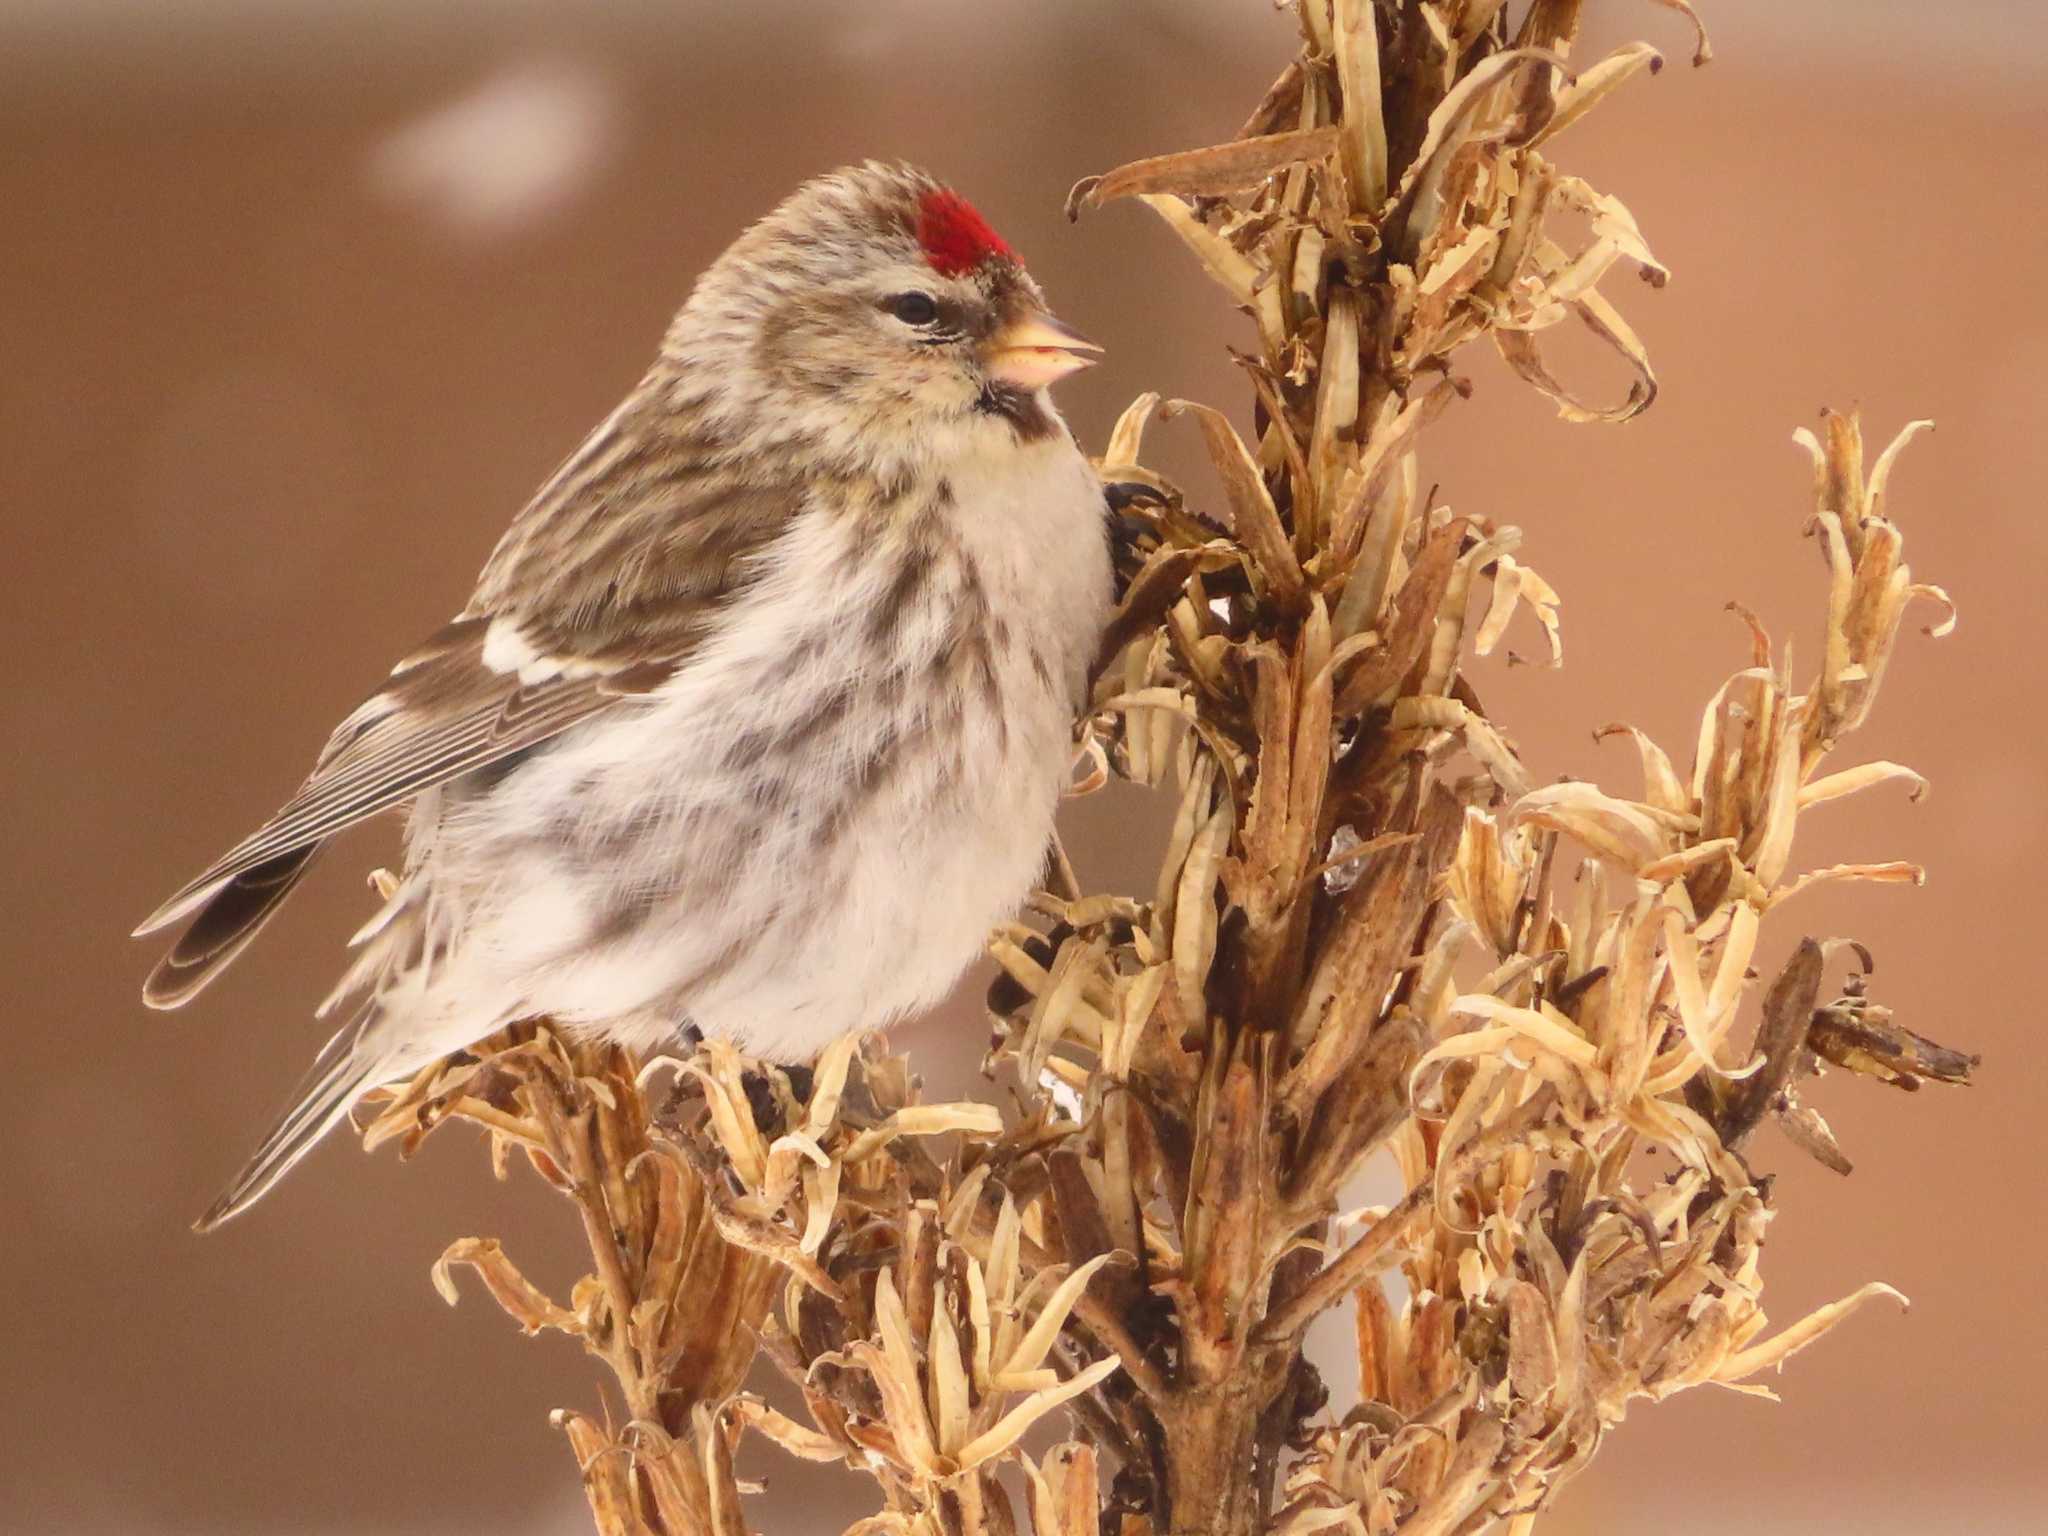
777,671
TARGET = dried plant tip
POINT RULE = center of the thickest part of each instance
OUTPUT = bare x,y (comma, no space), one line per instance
1775,1351
1702,49
1788,1014
1209,172
521,1299
1862,1038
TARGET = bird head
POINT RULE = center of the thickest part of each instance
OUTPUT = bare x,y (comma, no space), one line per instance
877,300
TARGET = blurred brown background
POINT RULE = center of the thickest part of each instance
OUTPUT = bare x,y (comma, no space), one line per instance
298,301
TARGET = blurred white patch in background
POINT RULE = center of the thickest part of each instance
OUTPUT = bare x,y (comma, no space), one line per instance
507,153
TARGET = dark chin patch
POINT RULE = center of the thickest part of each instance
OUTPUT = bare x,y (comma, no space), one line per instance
1021,409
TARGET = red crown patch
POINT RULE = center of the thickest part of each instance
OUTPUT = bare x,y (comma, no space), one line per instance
954,238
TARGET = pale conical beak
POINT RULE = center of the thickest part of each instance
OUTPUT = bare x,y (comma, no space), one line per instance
1035,349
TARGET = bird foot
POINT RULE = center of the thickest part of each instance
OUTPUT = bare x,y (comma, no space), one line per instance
769,1119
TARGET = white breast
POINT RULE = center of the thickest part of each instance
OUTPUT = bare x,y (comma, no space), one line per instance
798,836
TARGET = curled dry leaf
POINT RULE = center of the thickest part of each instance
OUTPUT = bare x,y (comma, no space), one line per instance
1861,1037
1209,172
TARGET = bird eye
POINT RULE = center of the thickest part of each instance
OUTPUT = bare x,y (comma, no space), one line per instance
914,308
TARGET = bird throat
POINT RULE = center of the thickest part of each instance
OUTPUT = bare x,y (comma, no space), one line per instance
1023,411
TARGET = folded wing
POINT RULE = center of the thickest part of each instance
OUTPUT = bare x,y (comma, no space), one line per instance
435,721
600,589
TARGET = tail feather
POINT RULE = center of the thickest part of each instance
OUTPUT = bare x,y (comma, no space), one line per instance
232,916
340,1073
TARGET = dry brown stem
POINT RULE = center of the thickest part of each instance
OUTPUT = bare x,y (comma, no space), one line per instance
1374,934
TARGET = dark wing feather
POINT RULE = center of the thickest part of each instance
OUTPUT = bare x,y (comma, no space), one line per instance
434,723
613,572
234,916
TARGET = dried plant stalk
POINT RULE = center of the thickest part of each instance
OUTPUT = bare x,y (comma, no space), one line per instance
1374,934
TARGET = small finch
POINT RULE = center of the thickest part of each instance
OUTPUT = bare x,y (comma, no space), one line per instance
779,668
